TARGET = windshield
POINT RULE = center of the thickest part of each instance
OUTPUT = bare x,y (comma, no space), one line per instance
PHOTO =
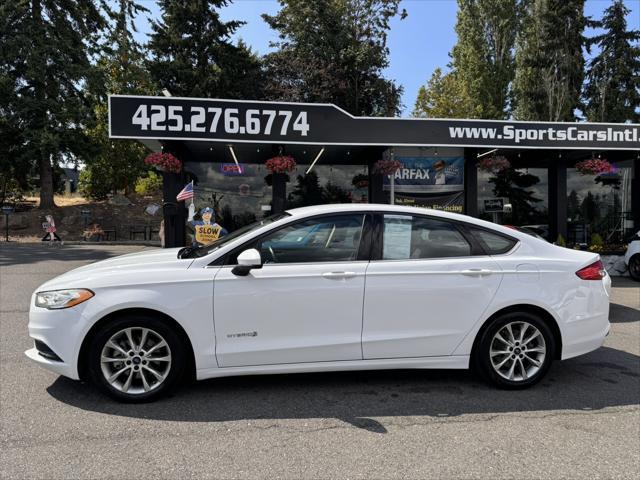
191,252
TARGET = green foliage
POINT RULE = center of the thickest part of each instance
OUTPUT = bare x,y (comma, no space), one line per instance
192,56
612,90
91,186
549,60
47,47
596,240
334,51
117,164
560,241
483,59
149,184
442,97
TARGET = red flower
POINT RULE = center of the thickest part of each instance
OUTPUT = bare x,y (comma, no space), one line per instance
494,164
387,167
164,161
594,166
281,164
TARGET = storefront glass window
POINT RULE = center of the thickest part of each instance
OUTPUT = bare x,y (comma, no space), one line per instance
525,192
327,184
599,206
237,197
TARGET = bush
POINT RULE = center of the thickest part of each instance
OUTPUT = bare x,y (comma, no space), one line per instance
92,185
560,241
149,184
596,240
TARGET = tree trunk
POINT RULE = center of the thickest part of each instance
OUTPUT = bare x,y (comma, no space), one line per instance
46,183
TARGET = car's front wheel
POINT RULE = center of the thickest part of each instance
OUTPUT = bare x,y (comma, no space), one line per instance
515,351
136,359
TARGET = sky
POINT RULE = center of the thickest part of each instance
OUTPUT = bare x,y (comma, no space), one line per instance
418,44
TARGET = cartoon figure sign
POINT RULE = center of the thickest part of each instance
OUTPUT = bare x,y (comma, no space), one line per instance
207,230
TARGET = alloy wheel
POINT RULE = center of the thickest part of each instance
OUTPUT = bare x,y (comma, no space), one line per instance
135,360
517,351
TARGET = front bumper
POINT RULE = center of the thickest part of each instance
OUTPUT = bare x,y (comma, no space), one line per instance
61,368
62,331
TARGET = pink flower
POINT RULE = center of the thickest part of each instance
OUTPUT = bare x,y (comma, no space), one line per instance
387,167
494,164
594,166
281,164
164,161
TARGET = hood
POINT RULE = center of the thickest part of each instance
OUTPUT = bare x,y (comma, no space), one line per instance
120,269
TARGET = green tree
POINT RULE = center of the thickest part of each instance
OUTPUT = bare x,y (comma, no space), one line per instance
334,51
47,47
191,53
549,60
117,164
483,57
442,97
612,90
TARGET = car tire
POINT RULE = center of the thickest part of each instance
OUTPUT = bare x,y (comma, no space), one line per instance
510,359
136,359
634,267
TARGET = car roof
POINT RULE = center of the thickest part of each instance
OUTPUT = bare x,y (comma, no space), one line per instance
379,207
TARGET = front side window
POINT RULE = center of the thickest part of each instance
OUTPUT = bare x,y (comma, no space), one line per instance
325,239
407,237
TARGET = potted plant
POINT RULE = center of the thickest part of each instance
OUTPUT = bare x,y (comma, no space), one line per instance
494,164
388,167
279,167
164,162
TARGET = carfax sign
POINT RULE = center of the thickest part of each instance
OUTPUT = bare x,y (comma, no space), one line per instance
174,118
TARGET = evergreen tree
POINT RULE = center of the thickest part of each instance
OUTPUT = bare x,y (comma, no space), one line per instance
334,51
612,91
192,54
483,57
47,46
117,164
513,184
549,60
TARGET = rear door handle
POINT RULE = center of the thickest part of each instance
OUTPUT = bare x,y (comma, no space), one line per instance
476,272
338,275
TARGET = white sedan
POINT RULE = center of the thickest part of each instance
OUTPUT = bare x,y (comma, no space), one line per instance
325,288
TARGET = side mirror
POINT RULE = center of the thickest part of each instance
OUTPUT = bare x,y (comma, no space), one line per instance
247,261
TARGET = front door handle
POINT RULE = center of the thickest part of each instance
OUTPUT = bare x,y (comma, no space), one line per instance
338,275
476,272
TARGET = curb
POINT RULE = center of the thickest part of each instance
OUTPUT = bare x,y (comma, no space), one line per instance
80,242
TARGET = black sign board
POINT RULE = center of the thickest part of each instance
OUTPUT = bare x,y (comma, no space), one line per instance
174,118
493,205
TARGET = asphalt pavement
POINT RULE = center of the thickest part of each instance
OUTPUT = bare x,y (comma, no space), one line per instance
581,421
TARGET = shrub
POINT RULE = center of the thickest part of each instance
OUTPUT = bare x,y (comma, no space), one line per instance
596,240
92,185
148,184
560,241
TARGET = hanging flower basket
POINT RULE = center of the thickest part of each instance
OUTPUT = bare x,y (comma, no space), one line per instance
387,167
594,166
281,164
494,164
164,162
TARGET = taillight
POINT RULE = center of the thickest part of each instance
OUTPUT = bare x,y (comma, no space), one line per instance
595,271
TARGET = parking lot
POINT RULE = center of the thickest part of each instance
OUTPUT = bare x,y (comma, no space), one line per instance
582,420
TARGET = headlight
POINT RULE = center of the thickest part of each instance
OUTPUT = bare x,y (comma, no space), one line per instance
57,299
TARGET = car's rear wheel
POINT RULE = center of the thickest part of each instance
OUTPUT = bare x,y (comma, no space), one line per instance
136,359
515,350
634,267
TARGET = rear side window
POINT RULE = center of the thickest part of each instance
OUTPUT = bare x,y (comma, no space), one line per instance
407,237
493,243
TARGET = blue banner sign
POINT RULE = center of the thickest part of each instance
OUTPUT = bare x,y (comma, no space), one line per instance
428,175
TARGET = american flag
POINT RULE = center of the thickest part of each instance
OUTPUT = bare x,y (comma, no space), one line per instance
186,193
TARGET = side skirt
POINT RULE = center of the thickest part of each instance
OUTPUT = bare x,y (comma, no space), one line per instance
450,362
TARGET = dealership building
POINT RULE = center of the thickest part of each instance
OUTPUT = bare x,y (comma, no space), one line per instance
573,180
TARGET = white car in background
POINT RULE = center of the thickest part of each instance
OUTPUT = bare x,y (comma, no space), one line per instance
325,288
632,257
